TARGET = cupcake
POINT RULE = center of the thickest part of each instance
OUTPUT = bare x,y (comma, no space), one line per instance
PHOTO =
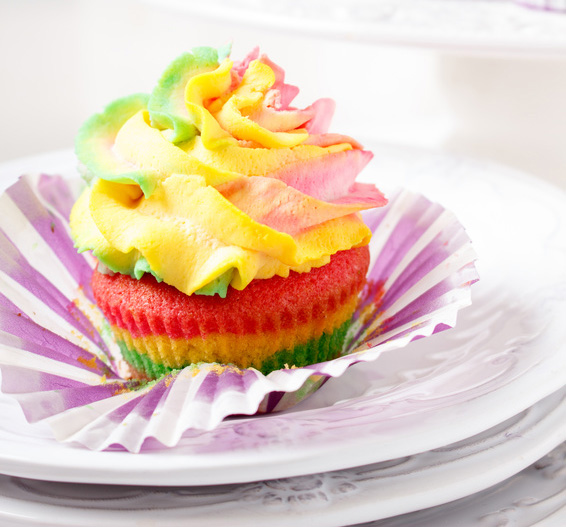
226,222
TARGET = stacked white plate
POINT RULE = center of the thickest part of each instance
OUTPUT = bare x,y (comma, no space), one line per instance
508,26
476,414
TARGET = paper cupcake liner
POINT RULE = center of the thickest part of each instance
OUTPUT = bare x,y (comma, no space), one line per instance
62,366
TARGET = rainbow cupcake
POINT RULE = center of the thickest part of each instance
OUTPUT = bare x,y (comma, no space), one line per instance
226,222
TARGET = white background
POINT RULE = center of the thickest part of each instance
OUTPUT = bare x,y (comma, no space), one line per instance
62,60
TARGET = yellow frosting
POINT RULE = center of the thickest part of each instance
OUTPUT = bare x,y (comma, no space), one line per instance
234,197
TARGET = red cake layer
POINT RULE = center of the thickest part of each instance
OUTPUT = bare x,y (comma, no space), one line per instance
146,307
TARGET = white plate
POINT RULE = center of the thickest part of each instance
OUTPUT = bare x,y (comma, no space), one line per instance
534,497
331,499
492,26
507,352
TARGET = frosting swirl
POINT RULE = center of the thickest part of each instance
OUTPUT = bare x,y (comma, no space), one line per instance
215,179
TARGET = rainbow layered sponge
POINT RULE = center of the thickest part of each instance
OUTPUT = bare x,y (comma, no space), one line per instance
272,324
218,196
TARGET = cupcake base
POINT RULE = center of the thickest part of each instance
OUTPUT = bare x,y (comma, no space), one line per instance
271,324
327,347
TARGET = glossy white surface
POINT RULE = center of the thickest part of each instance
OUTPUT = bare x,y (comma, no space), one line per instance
506,353
337,498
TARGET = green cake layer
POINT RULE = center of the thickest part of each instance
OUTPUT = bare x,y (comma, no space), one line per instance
327,347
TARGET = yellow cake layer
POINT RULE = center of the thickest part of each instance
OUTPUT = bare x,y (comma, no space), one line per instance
244,350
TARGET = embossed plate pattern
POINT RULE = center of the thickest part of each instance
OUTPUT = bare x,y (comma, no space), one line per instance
335,498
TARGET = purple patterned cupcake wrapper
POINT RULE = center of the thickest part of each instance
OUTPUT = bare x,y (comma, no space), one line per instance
61,365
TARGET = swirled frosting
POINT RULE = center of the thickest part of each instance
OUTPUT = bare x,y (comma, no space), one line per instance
215,179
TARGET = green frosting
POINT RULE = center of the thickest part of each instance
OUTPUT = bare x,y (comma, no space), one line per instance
99,132
219,286
109,265
167,111
142,267
166,105
224,51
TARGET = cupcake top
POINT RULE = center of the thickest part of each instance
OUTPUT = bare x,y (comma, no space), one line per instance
214,179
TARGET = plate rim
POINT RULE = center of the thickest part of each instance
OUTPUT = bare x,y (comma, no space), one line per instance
393,489
485,39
